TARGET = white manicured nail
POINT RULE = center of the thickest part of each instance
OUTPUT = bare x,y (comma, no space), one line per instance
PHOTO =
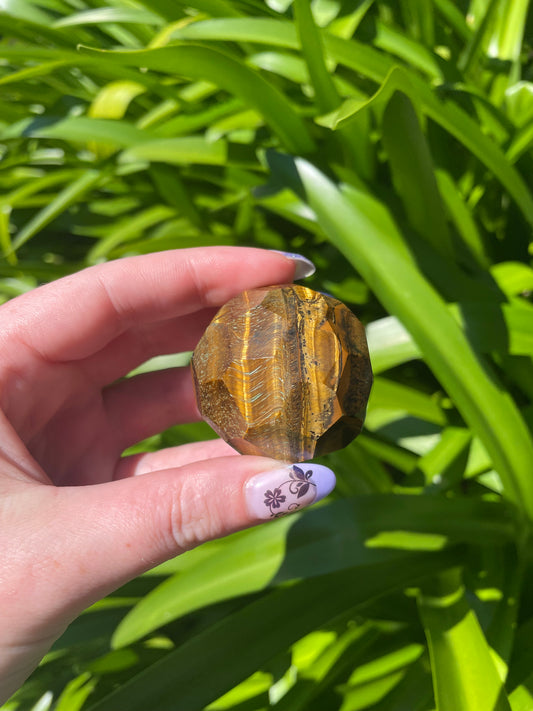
303,267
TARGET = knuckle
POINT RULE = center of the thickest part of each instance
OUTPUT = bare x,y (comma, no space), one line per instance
194,516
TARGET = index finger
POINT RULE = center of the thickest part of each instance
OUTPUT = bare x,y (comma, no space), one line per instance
78,315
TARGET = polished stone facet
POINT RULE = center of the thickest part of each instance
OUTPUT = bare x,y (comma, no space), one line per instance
283,372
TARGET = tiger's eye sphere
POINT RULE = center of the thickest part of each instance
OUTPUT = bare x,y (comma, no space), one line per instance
283,372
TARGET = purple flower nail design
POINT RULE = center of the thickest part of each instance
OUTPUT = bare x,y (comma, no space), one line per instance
274,499
298,484
300,481
276,492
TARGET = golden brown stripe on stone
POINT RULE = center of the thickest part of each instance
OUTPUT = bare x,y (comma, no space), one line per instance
283,372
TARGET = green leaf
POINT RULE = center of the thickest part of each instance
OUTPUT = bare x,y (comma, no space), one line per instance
445,465
132,227
396,396
362,229
110,14
507,328
229,74
329,667
419,19
332,538
464,673
474,47
521,699
68,196
412,52
174,9
252,636
389,344
450,117
43,69
26,11
506,43
310,41
413,173
188,149
462,218
513,277
247,562
81,129
76,693
455,18
356,55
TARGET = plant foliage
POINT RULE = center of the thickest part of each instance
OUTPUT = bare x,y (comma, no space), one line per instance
391,142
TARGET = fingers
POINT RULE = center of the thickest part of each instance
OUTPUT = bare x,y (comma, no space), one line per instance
172,457
146,404
65,548
144,341
77,316
119,529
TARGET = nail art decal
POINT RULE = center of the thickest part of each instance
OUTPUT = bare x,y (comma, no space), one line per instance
296,486
278,492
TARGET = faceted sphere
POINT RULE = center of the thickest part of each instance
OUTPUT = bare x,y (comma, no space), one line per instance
284,372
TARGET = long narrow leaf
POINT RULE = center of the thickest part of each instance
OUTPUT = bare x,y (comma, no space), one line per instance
253,635
352,221
67,197
452,119
413,173
229,74
310,40
464,673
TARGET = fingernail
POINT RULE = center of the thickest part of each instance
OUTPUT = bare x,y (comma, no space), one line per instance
303,267
277,492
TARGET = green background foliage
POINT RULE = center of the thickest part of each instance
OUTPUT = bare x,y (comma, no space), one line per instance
391,142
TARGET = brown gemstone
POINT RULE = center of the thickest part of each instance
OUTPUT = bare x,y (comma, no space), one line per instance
284,372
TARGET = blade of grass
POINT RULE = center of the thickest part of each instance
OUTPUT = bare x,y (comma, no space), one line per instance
26,11
66,58
23,75
445,465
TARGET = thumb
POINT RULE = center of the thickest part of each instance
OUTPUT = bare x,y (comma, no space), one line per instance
117,530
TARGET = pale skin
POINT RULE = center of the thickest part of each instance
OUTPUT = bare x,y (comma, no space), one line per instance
76,521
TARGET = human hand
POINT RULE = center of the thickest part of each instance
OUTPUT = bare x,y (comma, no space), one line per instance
75,520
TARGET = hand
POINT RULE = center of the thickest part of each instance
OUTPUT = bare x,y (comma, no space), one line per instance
75,520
